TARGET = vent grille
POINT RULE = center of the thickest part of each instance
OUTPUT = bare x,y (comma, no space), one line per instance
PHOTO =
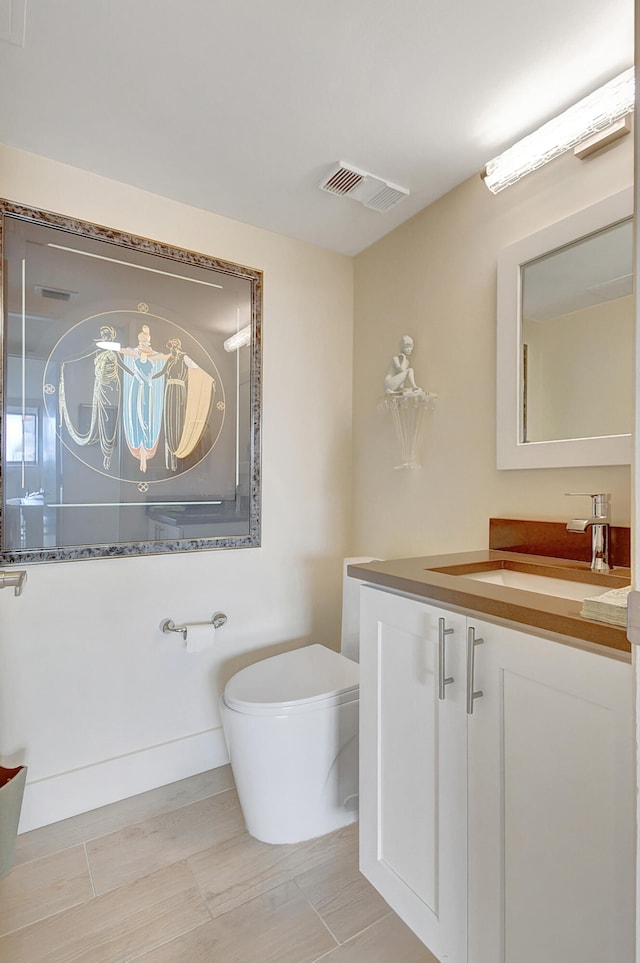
55,294
342,181
385,198
374,192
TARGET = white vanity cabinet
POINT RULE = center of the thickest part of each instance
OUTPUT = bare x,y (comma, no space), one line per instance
413,805
551,803
500,827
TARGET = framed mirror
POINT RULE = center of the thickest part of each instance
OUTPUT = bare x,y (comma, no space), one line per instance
131,394
565,342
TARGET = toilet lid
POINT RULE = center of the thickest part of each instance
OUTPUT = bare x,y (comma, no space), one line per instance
307,676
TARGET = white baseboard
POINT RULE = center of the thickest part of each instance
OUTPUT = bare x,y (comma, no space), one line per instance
80,790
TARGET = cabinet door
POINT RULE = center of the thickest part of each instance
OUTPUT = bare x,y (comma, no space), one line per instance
551,803
413,767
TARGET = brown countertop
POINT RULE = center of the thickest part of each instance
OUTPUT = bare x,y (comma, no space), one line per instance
421,577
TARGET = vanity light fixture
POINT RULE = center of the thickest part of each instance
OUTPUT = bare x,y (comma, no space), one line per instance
239,339
596,116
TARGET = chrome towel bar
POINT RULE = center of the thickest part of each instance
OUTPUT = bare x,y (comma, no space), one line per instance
16,578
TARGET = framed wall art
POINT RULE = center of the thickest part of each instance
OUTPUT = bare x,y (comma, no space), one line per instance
131,396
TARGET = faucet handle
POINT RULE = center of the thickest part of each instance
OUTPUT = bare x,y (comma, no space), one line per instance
599,503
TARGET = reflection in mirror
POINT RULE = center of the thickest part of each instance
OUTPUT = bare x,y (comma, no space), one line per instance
577,339
128,428
565,371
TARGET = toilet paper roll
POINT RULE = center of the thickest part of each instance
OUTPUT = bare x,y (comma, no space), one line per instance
200,637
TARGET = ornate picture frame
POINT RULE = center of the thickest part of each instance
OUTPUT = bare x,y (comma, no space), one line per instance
131,399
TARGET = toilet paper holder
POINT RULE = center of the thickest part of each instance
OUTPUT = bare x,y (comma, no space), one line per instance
168,625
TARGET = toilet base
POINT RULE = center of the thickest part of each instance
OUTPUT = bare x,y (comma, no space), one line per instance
299,779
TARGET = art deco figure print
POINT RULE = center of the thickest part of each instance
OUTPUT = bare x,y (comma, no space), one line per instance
105,403
188,396
141,399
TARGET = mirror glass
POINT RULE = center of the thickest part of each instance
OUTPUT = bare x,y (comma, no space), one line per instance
577,339
131,398
566,341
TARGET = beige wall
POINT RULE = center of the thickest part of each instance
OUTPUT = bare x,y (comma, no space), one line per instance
435,278
93,697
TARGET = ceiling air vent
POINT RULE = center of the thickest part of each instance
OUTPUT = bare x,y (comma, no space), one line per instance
342,180
374,192
56,294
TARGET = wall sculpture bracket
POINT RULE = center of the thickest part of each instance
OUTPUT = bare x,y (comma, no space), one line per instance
407,403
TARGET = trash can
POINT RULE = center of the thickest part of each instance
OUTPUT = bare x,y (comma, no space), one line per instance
11,791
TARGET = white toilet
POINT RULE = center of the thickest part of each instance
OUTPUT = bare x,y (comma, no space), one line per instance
291,725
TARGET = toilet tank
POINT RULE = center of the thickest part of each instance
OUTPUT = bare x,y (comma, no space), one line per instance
350,639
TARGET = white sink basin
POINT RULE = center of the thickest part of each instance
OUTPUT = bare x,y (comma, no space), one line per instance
543,584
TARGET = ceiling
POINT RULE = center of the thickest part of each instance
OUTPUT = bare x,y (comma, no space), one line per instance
243,107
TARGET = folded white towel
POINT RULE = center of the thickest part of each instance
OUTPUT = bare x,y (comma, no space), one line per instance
609,607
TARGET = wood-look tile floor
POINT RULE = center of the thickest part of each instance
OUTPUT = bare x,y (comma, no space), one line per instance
171,876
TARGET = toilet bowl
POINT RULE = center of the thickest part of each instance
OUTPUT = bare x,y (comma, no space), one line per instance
291,726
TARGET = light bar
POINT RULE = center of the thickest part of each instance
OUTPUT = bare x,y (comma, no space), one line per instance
589,116
238,340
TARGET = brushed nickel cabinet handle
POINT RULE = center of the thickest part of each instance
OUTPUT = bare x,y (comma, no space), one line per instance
442,673
471,668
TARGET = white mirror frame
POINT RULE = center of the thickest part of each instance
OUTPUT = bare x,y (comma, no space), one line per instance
570,452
